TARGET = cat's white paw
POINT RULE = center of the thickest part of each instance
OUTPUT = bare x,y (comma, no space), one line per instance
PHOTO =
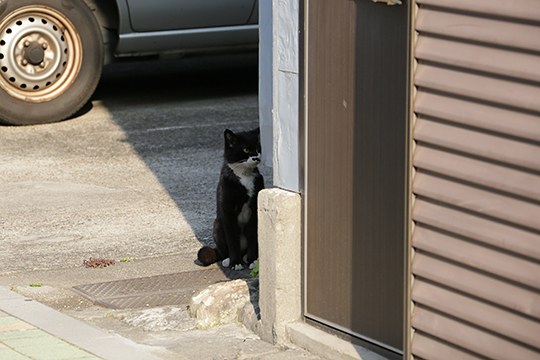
226,262
238,267
252,266
244,259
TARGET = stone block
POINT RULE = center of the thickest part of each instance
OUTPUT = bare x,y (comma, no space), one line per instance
280,271
225,303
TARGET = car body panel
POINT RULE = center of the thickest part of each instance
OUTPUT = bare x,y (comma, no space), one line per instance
182,38
160,15
254,18
147,43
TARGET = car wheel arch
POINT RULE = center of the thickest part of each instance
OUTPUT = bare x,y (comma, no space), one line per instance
107,13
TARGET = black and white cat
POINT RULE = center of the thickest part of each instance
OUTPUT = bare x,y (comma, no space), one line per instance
235,226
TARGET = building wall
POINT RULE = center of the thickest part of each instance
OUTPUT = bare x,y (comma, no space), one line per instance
279,90
475,258
266,93
476,253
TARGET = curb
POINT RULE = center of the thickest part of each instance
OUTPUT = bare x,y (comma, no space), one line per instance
91,339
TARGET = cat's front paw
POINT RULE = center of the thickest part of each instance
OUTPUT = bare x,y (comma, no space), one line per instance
238,267
252,266
227,263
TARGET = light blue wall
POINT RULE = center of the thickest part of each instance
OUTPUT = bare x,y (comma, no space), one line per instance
279,89
266,98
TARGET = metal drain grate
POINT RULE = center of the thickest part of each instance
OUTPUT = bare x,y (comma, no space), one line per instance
160,290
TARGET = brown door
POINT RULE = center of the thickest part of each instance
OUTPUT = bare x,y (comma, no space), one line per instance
356,160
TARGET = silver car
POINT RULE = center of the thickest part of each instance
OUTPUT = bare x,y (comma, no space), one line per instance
52,51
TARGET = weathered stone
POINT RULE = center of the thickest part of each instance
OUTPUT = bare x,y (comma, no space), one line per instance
225,303
280,259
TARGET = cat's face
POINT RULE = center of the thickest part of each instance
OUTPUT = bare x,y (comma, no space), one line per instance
243,148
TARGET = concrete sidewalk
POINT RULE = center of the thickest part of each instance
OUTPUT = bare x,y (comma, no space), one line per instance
31,330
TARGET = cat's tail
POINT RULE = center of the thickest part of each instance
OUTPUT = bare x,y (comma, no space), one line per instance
208,255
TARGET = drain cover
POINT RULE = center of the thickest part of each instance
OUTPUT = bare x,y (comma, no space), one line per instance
160,290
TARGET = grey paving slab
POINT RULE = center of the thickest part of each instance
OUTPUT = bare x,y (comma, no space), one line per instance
55,330
21,340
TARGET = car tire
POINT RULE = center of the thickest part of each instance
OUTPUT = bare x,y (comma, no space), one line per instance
51,58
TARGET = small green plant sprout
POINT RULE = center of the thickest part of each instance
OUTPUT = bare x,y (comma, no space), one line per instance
36,284
127,259
255,270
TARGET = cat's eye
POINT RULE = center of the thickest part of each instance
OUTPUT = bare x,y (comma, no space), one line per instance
246,150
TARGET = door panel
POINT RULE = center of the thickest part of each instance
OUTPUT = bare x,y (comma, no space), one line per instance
356,180
186,14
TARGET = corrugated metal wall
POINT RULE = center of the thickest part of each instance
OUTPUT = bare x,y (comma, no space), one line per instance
476,210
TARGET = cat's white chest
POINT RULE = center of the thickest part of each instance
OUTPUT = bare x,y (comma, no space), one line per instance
249,184
247,179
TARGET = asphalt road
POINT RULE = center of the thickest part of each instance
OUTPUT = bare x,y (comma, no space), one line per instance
133,175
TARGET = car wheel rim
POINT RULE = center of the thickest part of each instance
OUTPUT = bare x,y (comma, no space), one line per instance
40,54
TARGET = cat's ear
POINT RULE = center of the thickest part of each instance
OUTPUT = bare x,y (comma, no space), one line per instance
230,138
257,132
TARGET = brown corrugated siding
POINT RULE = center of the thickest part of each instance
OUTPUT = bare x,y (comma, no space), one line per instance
476,212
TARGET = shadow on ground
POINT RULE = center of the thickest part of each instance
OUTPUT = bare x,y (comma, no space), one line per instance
173,113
